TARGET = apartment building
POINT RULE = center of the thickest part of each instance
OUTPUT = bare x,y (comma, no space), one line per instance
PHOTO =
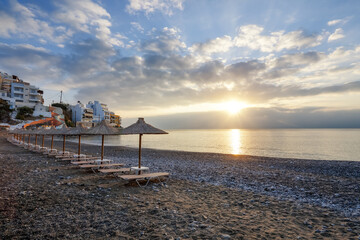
100,110
19,93
115,120
82,114
94,112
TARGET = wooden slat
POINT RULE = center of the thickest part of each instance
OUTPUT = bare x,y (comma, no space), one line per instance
114,170
146,175
101,165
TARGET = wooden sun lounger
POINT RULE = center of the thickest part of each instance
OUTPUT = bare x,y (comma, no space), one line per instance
101,165
97,167
41,149
66,155
145,177
50,152
76,158
91,161
114,170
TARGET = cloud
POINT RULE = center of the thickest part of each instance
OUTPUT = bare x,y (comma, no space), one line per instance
87,16
88,59
216,45
24,21
137,26
7,25
150,6
338,21
290,64
338,34
251,36
255,118
34,64
166,41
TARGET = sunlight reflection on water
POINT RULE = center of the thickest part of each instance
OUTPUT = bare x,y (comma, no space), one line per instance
327,144
235,141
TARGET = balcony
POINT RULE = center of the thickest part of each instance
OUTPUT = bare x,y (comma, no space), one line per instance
18,90
18,96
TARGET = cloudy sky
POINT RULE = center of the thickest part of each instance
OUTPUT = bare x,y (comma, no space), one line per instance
259,61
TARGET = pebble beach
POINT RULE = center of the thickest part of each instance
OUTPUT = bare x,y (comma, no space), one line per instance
208,196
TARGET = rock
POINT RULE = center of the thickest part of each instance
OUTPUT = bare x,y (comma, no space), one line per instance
225,236
203,226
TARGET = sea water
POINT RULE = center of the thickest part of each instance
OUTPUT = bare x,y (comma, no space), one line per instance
319,144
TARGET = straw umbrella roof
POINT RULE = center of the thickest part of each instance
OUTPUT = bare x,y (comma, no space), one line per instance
29,131
78,130
62,131
141,127
38,131
103,128
23,131
16,131
51,131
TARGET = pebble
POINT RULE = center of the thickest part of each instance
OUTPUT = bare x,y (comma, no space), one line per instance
225,236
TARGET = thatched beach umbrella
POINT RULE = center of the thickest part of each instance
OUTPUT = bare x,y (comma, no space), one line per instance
16,132
21,134
63,131
141,127
42,132
103,129
36,132
51,132
77,131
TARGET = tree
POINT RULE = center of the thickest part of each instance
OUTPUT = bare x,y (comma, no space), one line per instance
67,113
24,112
4,111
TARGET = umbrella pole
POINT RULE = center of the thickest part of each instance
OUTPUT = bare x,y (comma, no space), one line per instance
140,135
102,147
52,142
29,140
42,144
35,140
79,149
64,145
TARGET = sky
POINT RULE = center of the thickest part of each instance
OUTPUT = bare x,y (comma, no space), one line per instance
192,64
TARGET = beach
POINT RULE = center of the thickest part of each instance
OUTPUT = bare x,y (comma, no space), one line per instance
208,196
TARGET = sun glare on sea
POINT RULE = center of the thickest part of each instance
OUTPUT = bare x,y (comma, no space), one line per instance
235,141
233,107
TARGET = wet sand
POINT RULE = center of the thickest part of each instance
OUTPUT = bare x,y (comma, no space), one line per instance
208,196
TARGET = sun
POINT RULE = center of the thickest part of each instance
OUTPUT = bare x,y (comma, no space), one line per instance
234,107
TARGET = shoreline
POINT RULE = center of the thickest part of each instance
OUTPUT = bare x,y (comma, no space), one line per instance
213,196
301,180
194,152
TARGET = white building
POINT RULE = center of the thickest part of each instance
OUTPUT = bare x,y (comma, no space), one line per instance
100,111
15,90
6,96
82,114
41,110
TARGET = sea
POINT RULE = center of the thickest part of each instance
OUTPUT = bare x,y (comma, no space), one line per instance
318,144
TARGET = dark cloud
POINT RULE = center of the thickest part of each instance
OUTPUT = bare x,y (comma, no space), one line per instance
87,58
30,63
290,64
159,79
164,42
244,70
255,118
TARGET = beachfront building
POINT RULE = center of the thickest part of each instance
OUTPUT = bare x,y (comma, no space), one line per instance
100,111
94,112
82,115
4,95
19,93
115,120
